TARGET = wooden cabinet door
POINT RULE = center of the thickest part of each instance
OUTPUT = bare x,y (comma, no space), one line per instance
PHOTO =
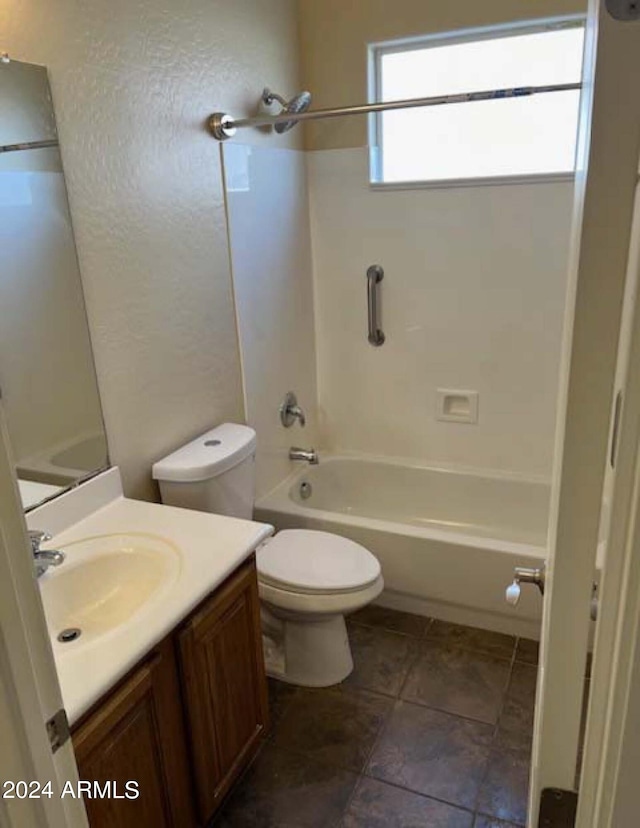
225,685
137,735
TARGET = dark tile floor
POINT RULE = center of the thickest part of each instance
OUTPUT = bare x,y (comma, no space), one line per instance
432,730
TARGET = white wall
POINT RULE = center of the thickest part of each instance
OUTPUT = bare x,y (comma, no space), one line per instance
472,298
132,83
268,209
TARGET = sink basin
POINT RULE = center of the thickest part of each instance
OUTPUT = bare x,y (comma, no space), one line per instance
107,579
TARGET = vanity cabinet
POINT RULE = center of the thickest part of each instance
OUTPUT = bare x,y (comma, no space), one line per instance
136,735
186,721
225,691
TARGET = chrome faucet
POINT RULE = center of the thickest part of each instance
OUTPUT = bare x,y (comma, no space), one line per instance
44,558
290,411
310,455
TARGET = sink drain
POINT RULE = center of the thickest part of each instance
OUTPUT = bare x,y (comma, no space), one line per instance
70,634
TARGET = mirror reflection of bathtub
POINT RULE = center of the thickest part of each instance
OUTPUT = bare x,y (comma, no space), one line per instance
67,462
447,540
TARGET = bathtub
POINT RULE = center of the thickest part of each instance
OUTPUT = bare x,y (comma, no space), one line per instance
67,462
447,541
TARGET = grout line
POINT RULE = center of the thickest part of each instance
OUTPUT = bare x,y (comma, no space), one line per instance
467,648
504,703
507,823
369,775
412,662
362,688
413,791
336,691
458,645
458,715
470,719
490,750
522,661
378,738
354,623
350,799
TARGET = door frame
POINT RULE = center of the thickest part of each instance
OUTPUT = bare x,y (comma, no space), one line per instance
608,147
29,688
615,693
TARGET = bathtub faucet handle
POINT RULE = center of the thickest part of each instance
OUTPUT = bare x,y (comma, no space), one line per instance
290,411
513,593
525,575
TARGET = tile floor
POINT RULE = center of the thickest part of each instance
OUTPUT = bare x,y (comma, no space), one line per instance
432,730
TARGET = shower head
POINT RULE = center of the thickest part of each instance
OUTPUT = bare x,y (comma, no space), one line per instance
299,103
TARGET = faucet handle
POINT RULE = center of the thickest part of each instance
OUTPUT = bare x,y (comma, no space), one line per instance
37,538
525,575
290,411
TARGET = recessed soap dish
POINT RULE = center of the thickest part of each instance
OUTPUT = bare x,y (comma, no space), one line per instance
456,406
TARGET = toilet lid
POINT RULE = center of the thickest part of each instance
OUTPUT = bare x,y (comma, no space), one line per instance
304,560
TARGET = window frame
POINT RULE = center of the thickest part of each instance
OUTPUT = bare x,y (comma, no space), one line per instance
375,52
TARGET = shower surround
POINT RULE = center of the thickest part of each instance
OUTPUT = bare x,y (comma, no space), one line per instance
473,298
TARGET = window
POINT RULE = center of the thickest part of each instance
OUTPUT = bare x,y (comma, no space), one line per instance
527,136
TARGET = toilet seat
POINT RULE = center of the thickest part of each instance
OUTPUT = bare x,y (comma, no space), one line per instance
314,605
310,562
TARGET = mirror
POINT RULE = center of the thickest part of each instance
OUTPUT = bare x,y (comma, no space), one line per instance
47,376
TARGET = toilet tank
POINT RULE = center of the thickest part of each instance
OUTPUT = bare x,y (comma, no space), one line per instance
213,473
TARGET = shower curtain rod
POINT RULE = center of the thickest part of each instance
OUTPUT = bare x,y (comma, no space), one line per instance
222,126
28,145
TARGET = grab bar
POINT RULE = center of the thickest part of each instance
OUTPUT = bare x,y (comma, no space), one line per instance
375,275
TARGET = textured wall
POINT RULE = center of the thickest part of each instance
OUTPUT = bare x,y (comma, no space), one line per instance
132,82
334,36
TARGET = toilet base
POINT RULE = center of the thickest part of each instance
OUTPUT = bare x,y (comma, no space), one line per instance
313,652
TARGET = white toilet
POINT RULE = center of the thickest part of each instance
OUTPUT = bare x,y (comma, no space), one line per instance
308,580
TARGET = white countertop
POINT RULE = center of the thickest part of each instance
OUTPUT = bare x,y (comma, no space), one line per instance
212,547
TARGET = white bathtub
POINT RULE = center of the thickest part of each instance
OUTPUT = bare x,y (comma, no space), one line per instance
447,541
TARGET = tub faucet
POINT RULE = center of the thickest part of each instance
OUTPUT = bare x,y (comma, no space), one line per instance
44,558
310,455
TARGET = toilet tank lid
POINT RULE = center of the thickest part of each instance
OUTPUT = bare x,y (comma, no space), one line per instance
209,455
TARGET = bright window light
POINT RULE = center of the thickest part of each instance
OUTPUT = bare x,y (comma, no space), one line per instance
527,136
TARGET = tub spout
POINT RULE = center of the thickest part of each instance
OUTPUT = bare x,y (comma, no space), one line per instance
310,455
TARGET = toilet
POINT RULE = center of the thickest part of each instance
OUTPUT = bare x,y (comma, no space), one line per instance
308,580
